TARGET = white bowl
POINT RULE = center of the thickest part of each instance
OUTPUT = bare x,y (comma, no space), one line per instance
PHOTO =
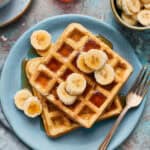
4,3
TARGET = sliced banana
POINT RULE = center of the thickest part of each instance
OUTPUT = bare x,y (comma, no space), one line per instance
119,4
134,5
126,8
40,40
81,64
147,6
32,107
31,65
105,76
44,53
64,96
131,20
144,17
75,84
20,97
95,59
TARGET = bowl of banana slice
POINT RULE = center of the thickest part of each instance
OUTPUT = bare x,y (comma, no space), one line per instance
133,14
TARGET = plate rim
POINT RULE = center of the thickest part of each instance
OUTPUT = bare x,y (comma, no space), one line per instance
17,16
33,27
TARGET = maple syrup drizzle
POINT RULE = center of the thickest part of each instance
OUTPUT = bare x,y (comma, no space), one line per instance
97,98
88,87
53,90
74,61
65,50
54,65
42,79
66,74
112,107
109,86
91,45
33,108
76,35
74,105
50,106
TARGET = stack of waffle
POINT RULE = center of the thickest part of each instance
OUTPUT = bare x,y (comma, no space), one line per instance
46,73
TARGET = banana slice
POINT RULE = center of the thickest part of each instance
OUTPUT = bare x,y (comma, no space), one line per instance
40,40
131,20
147,6
119,4
64,96
134,5
75,84
32,107
44,53
31,65
105,76
145,1
125,8
20,97
81,64
144,17
95,59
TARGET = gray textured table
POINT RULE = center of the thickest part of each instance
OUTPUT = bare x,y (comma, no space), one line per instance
39,10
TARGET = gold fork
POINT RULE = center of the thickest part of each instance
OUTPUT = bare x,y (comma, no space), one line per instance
134,98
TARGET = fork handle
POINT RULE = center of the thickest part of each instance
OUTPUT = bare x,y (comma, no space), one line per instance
107,140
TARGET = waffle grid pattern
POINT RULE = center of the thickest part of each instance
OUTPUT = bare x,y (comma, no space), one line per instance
56,123
62,59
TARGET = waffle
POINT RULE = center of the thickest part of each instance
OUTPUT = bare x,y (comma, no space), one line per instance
56,123
61,61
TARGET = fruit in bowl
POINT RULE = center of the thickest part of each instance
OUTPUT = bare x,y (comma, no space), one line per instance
134,14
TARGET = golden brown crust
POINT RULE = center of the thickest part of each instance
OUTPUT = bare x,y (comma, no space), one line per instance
50,111
49,74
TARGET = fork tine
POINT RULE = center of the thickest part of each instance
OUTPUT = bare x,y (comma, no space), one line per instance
143,87
145,91
146,79
140,84
138,79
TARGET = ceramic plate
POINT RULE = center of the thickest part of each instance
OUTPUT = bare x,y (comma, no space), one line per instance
30,131
12,11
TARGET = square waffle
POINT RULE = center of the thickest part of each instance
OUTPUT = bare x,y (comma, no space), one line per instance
61,61
56,123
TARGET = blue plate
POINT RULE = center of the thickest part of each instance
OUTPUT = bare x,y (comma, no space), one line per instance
13,10
30,131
